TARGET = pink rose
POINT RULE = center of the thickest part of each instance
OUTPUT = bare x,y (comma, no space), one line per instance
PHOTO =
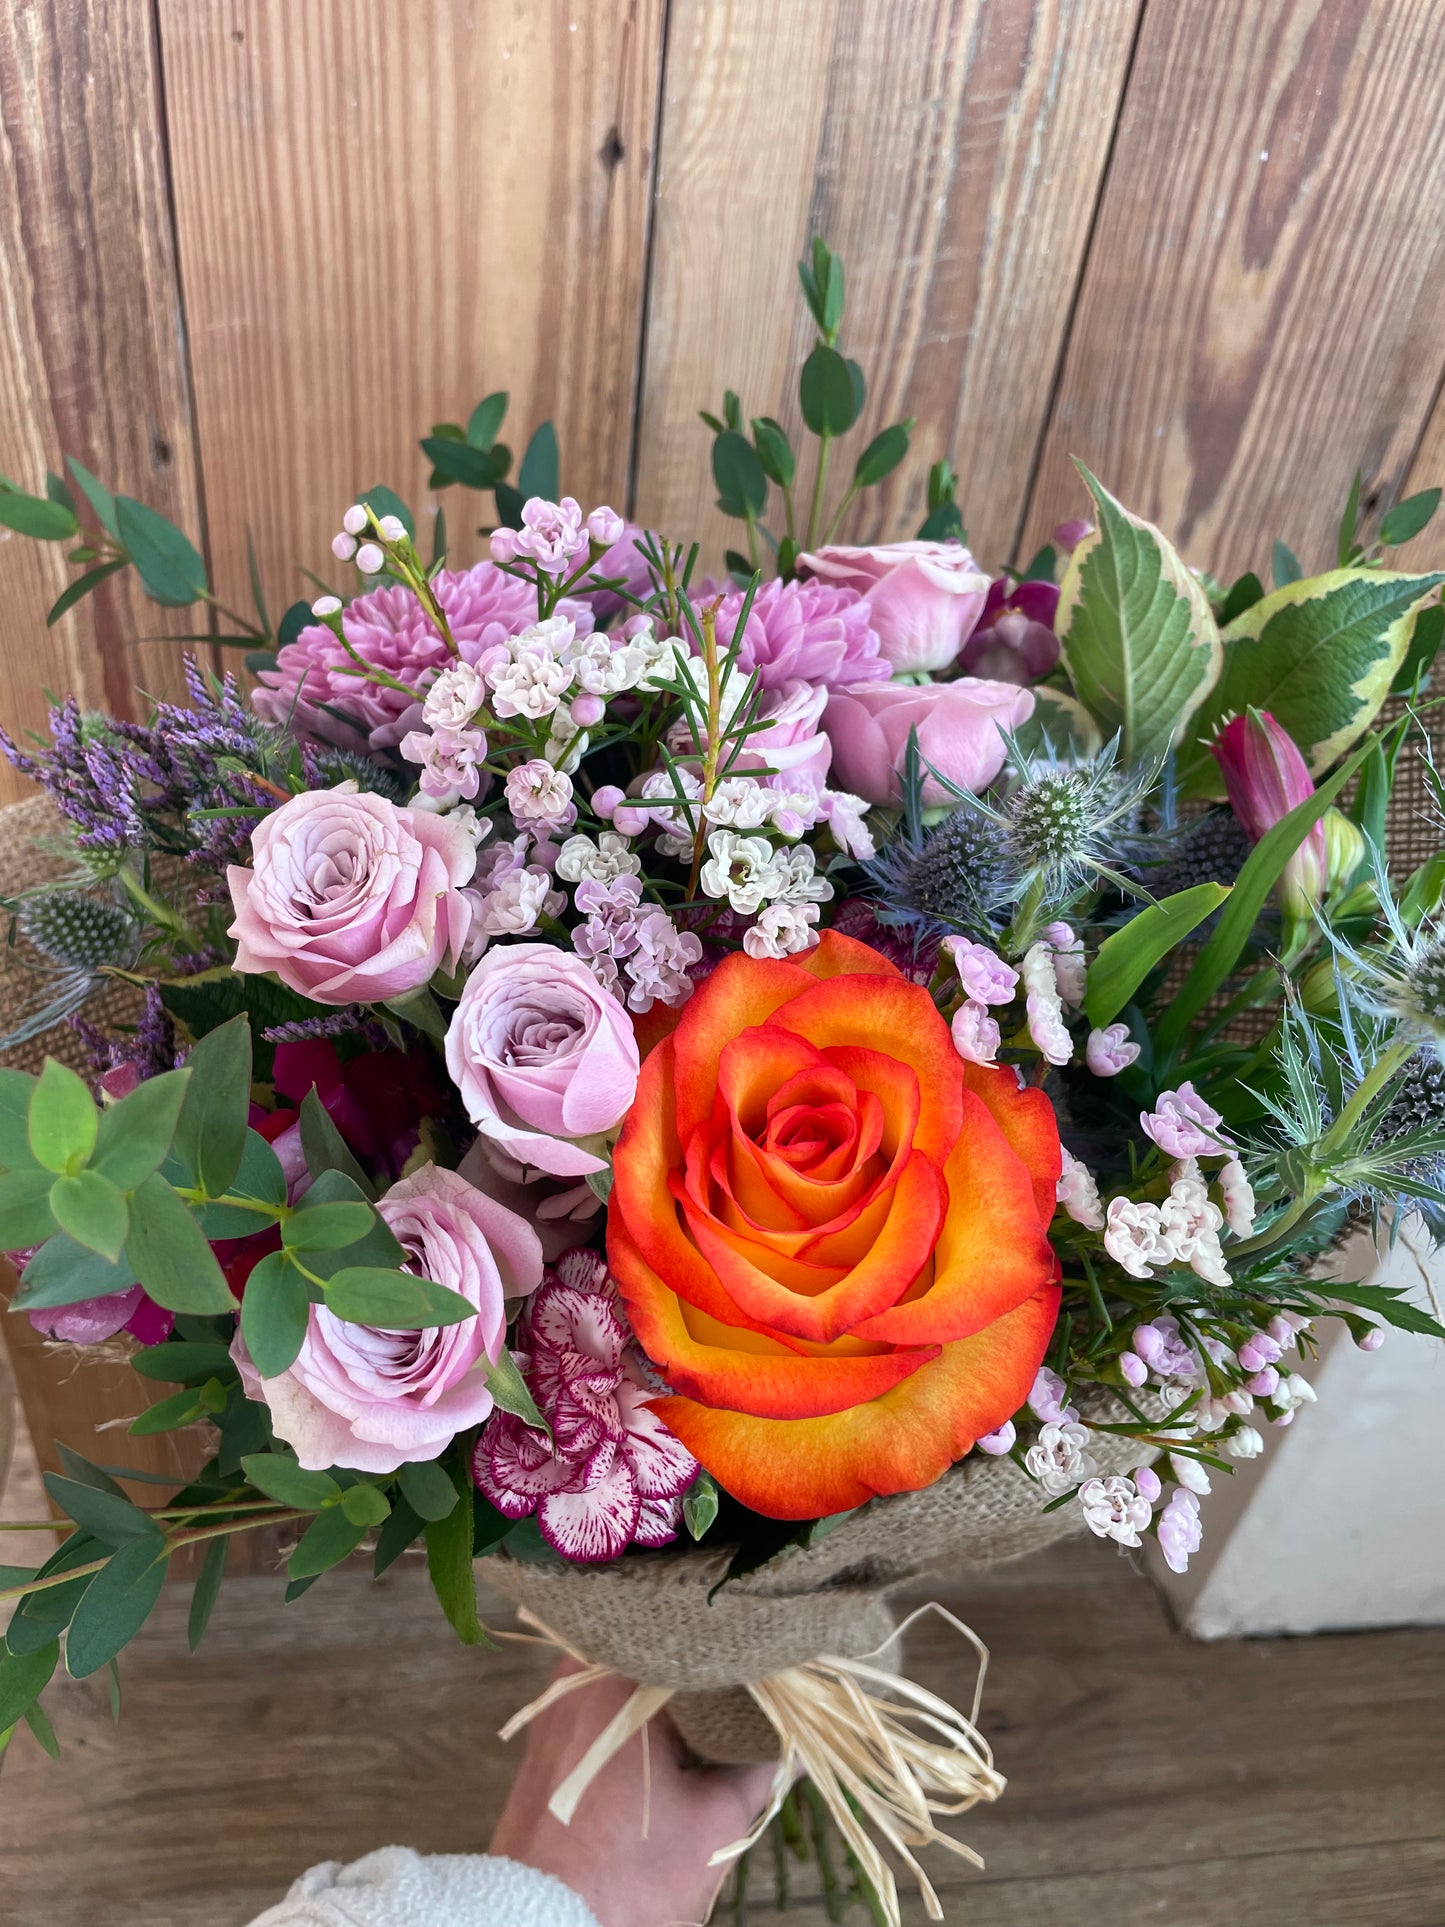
793,744
350,898
923,597
371,1399
958,726
542,1054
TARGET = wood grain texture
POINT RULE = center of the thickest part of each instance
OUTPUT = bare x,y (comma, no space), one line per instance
92,359
1289,1783
950,151
385,213
1261,307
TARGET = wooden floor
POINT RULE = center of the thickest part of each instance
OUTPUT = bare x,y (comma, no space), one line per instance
1294,1783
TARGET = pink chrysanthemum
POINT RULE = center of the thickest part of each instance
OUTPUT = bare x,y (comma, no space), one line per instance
611,1475
314,676
805,631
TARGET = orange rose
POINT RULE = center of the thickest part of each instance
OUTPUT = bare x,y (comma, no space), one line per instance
830,1232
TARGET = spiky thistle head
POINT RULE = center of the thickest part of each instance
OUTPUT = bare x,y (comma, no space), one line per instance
335,766
70,927
1401,975
955,877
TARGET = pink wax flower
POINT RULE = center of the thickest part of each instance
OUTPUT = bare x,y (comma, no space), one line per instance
611,1474
1110,1050
976,1035
350,898
542,1055
1180,1532
1184,1126
1014,640
552,535
1265,777
958,725
374,1400
999,1441
810,631
923,598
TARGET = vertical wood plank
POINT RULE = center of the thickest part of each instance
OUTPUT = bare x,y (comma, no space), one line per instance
92,359
386,212
1261,306
951,151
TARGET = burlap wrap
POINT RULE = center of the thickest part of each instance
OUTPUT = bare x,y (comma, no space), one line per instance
652,1619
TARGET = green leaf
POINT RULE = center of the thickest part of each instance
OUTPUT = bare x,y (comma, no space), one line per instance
15,1090
1320,656
63,1120
58,490
33,515
427,1489
325,1149
181,1362
943,524
485,422
1252,886
329,1539
23,1678
365,1506
420,1008
110,1516
394,1300
1125,959
460,462
211,1129
259,1178
167,561
1387,1302
822,279
541,466
81,1469
1406,519
511,1392
90,1209
1060,721
167,1415
98,495
700,1504
279,1476
377,1251
65,1273
135,1136
742,485
38,1720
76,591
1243,594
1286,566
275,1312
775,451
1425,642
25,1210
170,1255
1422,894
326,1227
208,1586
1136,631
402,1529
883,454
44,1614
115,1605
857,384
382,500
1349,522
296,618
826,392
449,1563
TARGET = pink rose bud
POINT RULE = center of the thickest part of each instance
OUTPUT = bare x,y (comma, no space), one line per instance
1068,535
343,547
1372,1340
1133,1368
587,710
1266,777
605,526
1147,1483
355,519
504,545
959,727
1265,1383
369,558
606,798
998,1442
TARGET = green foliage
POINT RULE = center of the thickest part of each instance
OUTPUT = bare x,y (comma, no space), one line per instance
700,1504
181,1362
403,1528
821,275
395,1300
36,515
1419,658
541,470
1126,957
135,1135
883,454
1285,566
81,587
63,1120
25,1217
208,1586
330,1538
65,1273
326,1227
170,1254
427,1489
15,1089
382,500
106,1514
279,1476
365,1505
829,392
211,1130
167,561
89,1209
512,1393
774,451
741,483
275,1310
258,1178
325,1149
23,1678
1136,631
1406,519
449,1551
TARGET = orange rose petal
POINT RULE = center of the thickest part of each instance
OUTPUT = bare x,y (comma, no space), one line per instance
753,1067
990,1256
835,955
899,1442
742,992
1027,1120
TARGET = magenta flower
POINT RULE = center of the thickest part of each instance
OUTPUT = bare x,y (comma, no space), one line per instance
611,1475
1014,640
91,1320
814,632
1265,777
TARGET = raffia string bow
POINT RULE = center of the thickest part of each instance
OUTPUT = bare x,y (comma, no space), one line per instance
887,1757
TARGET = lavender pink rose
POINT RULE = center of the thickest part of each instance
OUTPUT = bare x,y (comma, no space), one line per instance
958,725
922,598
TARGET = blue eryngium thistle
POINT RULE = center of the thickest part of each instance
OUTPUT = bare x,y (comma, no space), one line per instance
1401,976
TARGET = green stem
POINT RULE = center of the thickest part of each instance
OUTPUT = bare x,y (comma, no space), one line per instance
815,512
787,488
843,508
752,522
231,616
168,1546
157,911
1364,1093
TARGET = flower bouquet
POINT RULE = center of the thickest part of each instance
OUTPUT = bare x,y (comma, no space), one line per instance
718,1095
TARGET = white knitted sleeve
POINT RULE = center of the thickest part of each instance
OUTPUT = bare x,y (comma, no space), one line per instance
398,1888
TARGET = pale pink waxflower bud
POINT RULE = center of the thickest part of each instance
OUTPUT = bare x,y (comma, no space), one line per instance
998,1442
326,605
355,520
587,710
1184,1126
1077,1192
1264,1384
976,1036
393,528
1258,1351
1070,971
1133,1369
1371,1340
605,526
1045,1007
606,798
1068,535
1047,1399
1147,1483
1238,1195
369,558
1110,1050
1246,1443
1190,1474
504,545
1179,1529
1265,777
985,977
343,547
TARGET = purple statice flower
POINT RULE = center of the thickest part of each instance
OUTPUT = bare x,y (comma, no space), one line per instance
352,1019
814,632
126,1058
611,1474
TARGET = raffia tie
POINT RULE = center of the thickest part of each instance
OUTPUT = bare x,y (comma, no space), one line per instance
887,1757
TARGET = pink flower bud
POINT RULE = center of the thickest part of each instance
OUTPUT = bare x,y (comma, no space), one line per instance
587,710
1133,1368
629,820
326,605
1147,1483
998,1442
1283,1418
1068,535
1110,1051
504,545
605,526
1265,777
393,528
606,798
1372,1340
369,559
343,547
1265,1383
355,519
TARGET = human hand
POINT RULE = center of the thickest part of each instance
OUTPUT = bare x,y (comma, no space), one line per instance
626,1880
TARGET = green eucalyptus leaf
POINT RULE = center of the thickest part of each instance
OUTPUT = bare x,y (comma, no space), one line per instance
326,1227
63,1120
211,1129
394,1300
23,1678
89,1209
883,454
330,1538
25,1217
115,1605
449,1563
775,451
34,516
700,1504
167,1415
325,1149
167,561
402,1529
15,1091
742,485
460,462
170,1254
136,1134
208,1586
1244,592
512,1393
365,1506
275,1312
1425,640
1125,959
485,422
427,1489
179,1361
97,494
540,473
826,392
109,1516
259,1178
1285,565
279,1476
77,591
1405,520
